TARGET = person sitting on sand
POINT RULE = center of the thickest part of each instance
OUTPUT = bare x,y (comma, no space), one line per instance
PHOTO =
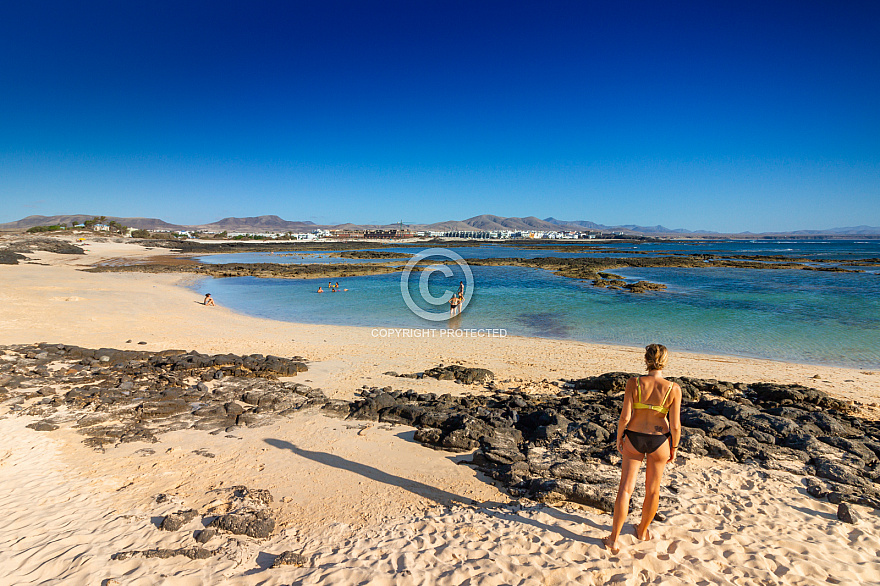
208,299
649,429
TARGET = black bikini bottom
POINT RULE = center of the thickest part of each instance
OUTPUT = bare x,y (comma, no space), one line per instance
646,443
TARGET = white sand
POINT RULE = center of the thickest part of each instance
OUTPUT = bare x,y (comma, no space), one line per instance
363,502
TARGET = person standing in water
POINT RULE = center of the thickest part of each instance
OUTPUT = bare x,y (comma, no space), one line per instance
454,304
649,430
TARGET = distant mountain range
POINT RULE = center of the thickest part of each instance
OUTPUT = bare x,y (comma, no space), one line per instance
484,222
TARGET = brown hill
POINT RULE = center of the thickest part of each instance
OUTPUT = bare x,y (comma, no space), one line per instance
140,223
257,224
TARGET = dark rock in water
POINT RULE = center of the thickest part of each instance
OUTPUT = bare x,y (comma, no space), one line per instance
846,514
43,426
290,558
256,524
178,519
644,286
193,553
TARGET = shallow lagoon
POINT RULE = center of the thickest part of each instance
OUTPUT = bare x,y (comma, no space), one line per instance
791,315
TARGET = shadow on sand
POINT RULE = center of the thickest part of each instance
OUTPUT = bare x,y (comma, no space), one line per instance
492,508
430,492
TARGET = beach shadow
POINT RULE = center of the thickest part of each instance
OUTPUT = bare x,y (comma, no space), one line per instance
815,513
437,495
556,513
264,561
442,497
500,508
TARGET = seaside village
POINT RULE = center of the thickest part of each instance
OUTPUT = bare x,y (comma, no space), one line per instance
402,232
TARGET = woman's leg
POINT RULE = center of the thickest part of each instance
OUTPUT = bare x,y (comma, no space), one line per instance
629,470
654,466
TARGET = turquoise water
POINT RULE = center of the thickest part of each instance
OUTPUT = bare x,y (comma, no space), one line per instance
797,316
822,250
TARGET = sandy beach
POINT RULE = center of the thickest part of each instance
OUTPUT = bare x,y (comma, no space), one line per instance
362,502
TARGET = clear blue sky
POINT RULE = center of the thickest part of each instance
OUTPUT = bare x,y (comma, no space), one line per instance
717,115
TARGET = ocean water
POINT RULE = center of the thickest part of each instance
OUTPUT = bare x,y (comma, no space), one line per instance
791,315
826,251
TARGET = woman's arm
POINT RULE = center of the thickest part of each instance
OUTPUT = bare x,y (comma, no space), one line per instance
675,421
626,411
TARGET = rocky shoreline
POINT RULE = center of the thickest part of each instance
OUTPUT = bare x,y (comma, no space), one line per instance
14,251
259,270
547,446
597,270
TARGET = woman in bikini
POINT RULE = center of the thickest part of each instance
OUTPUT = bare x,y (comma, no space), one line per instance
649,430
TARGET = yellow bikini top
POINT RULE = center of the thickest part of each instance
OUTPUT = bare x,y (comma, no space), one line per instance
659,408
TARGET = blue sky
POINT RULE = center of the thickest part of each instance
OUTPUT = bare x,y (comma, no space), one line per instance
727,116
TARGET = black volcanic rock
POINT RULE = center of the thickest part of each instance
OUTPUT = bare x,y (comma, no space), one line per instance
178,519
193,553
544,446
463,374
256,524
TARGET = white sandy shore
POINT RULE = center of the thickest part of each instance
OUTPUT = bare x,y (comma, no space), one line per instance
364,502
